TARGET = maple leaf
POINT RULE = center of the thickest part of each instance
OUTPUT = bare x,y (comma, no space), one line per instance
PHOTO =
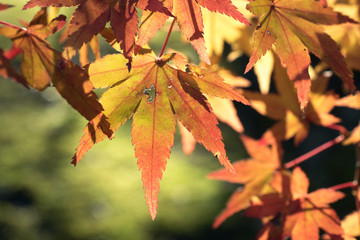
151,23
219,28
41,64
189,17
223,108
255,173
91,16
293,26
347,35
155,94
283,107
300,213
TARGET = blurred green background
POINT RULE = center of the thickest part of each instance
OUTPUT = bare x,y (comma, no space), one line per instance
42,196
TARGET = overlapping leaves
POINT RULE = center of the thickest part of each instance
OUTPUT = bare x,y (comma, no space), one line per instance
91,16
283,107
280,198
42,65
155,94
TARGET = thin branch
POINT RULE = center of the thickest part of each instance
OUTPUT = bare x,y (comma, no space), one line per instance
315,151
352,184
166,39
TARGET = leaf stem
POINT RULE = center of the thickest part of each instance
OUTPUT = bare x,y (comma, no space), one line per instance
166,39
315,151
12,25
352,184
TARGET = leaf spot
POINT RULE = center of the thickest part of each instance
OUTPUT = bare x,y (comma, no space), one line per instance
268,32
170,86
151,93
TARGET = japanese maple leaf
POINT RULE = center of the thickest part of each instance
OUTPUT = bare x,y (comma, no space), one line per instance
294,27
155,94
283,107
224,109
255,173
346,35
91,16
188,14
41,65
300,214
189,18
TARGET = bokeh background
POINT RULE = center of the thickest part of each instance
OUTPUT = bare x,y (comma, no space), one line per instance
42,196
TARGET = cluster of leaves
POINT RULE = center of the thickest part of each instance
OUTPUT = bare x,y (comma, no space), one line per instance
158,92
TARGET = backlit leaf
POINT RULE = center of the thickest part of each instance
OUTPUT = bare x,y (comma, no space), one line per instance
293,26
155,94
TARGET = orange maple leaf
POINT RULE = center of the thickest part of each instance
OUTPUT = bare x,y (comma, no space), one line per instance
284,107
255,173
154,94
293,26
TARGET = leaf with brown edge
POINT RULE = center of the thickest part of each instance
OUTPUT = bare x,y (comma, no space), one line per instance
155,94
41,65
91,16
293,26
188,15
255,173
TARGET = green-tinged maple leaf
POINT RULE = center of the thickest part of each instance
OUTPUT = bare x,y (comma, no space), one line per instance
255,173
298,215
283,107
155,94
41,65
91,16
293,26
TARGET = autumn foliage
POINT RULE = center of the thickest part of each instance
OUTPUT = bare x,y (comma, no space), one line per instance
160,92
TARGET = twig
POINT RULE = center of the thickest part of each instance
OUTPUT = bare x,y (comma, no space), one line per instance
315,151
